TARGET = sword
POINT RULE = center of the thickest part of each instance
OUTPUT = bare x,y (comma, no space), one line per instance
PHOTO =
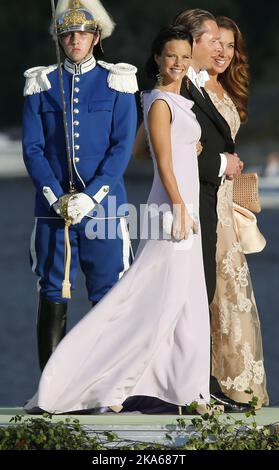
72,188
66,285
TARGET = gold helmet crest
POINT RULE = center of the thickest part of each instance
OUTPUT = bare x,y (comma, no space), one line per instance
85,15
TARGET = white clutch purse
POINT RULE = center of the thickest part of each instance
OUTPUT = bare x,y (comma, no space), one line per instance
167,220
249,235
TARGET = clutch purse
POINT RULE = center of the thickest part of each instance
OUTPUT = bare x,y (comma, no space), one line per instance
248,233
246,191
167,221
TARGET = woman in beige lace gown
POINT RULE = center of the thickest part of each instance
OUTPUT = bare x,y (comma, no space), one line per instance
237,355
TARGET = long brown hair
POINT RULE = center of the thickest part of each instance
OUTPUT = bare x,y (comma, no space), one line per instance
236,78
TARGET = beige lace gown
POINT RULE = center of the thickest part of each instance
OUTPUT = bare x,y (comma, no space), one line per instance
237,354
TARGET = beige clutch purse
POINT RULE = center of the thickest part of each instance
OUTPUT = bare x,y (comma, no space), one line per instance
246,191
248,233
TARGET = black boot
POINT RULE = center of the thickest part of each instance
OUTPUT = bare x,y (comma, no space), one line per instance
51,328
230,406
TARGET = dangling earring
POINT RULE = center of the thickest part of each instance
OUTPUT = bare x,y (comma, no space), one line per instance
160,79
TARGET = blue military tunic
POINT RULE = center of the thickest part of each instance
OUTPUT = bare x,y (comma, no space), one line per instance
101,123
101,116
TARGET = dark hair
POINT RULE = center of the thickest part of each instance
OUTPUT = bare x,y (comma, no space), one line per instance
235,79
165,35
194,21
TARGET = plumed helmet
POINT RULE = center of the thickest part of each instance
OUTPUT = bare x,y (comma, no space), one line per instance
85,15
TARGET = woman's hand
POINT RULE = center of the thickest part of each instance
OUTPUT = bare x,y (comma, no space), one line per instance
199,148
182,223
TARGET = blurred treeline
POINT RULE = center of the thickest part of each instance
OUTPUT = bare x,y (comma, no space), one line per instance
26,43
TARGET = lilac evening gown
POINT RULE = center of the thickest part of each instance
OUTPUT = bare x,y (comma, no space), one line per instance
150,334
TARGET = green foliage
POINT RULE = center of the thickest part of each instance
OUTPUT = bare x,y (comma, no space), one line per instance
231,435
43,434
211,431
218,431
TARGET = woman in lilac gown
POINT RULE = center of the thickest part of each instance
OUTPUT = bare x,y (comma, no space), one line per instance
150,334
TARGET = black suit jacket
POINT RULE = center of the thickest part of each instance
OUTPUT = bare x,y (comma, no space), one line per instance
215,133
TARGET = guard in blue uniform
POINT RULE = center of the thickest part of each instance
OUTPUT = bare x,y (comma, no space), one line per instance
101,122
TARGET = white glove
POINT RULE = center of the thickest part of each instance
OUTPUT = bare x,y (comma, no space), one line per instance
56,207
79,205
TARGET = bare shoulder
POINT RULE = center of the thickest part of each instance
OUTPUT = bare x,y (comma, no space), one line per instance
160,109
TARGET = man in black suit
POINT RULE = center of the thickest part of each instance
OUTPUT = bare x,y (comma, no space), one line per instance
217,159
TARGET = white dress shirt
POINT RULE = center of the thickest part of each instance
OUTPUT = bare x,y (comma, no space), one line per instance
199,79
